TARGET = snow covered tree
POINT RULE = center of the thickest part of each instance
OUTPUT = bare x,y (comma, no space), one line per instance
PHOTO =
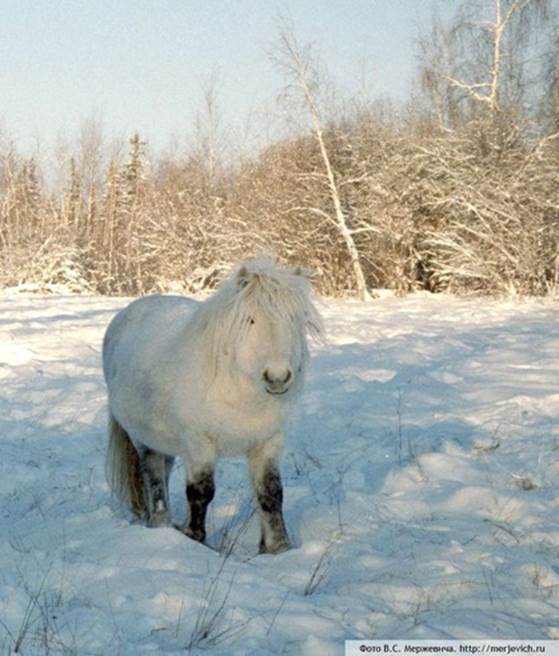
71,200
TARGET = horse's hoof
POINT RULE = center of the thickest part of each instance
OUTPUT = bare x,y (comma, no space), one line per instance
159,521
198,536
276,548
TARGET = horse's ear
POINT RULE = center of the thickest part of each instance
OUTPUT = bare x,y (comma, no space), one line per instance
304,273
243,277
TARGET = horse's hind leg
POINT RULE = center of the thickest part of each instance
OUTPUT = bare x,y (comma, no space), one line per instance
156,469
266,480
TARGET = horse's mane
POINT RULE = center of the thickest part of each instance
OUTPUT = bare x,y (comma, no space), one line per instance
258,286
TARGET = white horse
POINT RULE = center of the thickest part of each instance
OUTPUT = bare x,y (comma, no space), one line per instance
203,380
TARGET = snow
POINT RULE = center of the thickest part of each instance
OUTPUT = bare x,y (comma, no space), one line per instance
420,491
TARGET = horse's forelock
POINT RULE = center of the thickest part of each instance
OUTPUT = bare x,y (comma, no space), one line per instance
261,286
282,295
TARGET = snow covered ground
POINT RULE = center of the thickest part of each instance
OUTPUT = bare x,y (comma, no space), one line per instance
421,492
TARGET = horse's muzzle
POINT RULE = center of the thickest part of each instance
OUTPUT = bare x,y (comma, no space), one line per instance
275,393
277,385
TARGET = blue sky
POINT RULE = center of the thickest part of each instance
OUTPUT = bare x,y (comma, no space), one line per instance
140,64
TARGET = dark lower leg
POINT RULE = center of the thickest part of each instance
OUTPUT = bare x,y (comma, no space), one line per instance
269,497
200,491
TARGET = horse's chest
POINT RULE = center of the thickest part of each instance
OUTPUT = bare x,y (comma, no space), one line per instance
234,426
250,422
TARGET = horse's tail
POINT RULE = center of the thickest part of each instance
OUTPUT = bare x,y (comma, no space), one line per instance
122,467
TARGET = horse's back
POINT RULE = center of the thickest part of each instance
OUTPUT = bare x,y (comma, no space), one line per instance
145,326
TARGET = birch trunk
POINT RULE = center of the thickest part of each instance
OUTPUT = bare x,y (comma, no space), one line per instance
299,68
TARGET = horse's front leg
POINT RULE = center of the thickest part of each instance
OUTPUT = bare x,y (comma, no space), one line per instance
200,490
268,490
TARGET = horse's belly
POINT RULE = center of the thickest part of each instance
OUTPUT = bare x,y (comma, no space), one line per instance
160,438
147,425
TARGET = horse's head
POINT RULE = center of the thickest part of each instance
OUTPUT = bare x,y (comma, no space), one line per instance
270,353
271,313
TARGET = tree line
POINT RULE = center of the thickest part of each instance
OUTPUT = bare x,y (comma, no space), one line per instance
455,190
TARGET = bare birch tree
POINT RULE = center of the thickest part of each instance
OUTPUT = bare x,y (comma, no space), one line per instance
487,58
301,72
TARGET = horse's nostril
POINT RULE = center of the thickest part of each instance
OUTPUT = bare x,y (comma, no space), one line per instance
274,380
